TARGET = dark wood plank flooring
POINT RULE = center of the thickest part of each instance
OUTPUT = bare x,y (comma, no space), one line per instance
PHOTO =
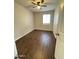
37,45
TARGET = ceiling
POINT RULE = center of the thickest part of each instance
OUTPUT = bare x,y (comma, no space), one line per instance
51,4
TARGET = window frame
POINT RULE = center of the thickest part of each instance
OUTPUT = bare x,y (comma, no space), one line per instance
49,17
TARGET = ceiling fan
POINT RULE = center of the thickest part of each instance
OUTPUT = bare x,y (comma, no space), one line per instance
38,4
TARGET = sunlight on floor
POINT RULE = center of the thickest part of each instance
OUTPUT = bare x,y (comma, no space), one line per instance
45,39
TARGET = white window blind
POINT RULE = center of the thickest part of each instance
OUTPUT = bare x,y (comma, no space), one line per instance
46,18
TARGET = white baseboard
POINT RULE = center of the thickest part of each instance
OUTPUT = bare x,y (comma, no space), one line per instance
29,32
23,35
43,29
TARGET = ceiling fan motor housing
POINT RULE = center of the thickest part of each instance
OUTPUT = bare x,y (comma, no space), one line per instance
38,3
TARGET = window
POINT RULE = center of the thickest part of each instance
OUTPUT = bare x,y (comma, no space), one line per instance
46,19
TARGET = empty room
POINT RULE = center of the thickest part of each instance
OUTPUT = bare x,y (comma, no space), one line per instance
39,29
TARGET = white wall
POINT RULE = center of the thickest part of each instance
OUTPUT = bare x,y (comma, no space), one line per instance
23,21
38,21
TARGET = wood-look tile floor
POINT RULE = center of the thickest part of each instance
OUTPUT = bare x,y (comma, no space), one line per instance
37,45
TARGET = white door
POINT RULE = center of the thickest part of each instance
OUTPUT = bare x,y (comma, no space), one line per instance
59,30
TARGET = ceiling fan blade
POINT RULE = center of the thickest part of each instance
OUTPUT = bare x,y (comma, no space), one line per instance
34,6
30,6
44,5
49,3
42,1
34,3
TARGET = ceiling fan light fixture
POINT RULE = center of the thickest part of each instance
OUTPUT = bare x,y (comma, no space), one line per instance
38,7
